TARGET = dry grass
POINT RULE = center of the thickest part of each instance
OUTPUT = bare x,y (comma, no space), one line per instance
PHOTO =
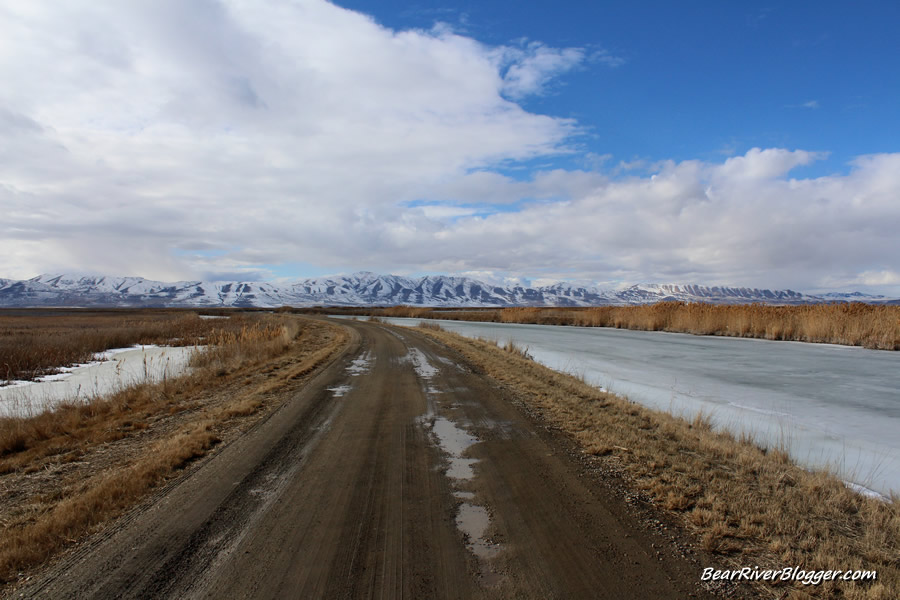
76,467
748,505
855,324
102,496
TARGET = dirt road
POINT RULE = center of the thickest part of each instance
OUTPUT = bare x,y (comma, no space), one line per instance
397,473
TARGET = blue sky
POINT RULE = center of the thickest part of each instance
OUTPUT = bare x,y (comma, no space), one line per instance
707,142
701,80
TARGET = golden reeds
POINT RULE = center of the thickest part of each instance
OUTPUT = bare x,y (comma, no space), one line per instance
853,324
33,343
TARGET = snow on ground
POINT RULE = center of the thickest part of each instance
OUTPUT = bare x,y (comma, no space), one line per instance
420,363
112,370
361,364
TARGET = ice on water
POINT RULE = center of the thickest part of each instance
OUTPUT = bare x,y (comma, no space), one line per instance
831,406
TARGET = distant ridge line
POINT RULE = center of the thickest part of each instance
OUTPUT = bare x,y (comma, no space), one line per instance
369,289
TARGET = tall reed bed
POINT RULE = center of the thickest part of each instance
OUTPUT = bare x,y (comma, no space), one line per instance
253,342
36,343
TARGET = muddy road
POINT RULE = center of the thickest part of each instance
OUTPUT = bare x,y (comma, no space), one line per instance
396,473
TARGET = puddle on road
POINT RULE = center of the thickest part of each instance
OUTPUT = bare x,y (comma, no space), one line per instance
473,520
450,363
461,468
452,439
454,442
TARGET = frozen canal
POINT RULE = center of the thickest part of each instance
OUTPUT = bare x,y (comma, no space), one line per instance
831,406
113,370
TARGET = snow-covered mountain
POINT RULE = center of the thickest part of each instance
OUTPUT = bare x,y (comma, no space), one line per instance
371,289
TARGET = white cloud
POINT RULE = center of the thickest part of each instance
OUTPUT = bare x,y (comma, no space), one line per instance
530,67
438,211
765,164
740,222
810,104
879,278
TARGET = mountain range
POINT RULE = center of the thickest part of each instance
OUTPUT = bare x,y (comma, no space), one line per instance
364,288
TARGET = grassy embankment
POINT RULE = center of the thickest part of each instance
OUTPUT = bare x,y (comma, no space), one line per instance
854,324
64,473
746,505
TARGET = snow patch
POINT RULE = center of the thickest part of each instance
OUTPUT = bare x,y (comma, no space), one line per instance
113,370
361,364
864,491
420,363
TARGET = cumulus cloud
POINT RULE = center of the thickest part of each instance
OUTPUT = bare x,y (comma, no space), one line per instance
175,139
739,222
